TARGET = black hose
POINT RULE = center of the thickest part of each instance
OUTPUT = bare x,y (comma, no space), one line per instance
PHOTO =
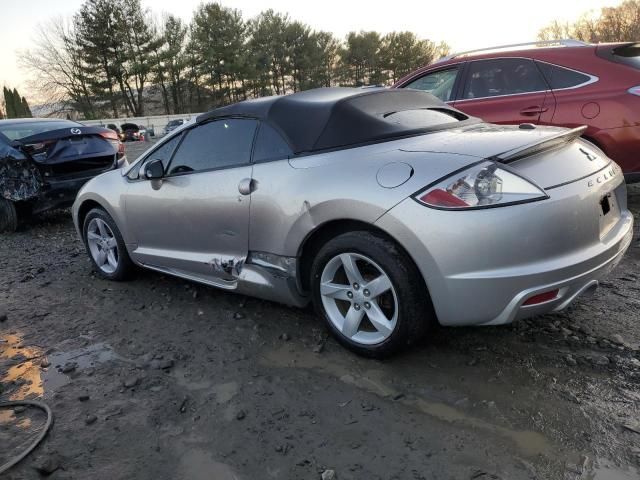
43,433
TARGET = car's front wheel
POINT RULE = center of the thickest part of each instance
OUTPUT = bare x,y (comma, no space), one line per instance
370,294
8,216
105,246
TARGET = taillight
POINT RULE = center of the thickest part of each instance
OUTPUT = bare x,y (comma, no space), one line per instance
113,139
39,150
480,186
634,91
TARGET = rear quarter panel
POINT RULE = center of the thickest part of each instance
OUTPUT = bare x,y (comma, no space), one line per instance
295,197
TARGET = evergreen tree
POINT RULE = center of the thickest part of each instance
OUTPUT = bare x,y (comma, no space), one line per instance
25,108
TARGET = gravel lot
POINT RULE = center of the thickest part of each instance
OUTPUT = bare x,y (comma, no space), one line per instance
158,378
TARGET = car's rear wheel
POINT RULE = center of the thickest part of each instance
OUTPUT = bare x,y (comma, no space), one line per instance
105,246
8,216
370,294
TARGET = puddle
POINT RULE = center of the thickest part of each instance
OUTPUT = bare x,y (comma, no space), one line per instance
530,443
24,367
35,381
198,465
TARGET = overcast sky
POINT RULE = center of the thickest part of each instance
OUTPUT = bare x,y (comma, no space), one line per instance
464,24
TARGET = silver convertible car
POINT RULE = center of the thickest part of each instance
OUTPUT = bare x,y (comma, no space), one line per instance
387,209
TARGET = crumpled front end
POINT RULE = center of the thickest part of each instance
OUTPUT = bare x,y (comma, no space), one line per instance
20,179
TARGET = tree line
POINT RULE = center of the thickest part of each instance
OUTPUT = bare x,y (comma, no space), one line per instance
610,24
13,105
109,57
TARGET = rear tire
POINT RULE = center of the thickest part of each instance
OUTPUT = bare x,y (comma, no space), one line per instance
370,294
105,246
8,216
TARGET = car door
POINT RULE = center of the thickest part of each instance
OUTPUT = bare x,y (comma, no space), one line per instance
441,83
194,221
505,90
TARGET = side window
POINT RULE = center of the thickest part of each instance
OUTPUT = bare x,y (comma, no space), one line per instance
559,77
221,143
163,153
505,76
439,84
270,145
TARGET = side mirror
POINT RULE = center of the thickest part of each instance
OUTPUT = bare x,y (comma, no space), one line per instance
154,170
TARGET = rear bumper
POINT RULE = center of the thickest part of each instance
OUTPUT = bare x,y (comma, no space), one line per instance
482,266
569,287
61,193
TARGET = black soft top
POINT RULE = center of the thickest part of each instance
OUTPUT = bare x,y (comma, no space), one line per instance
331,118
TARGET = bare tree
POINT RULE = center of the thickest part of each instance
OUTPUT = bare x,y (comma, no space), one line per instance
56,67
610,24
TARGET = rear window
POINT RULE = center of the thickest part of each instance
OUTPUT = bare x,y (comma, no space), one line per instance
560,77
18,130
626,54
424,118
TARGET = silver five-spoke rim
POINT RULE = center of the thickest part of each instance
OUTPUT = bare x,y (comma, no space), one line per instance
103,245
359,298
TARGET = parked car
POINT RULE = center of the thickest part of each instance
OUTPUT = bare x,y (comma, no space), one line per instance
172,125
130,132
114,127
566,83
388,209
44,162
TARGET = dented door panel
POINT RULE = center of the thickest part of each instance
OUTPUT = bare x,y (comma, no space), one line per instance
196,224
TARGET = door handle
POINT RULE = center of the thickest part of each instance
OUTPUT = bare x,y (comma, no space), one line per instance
246,186
535,110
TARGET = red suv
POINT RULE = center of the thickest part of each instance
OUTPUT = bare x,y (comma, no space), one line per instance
566,83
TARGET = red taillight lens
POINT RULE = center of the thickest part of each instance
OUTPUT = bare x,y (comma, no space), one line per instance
442,198
541,297
634,91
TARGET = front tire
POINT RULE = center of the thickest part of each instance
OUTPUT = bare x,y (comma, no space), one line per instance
8,216
370,294
105,246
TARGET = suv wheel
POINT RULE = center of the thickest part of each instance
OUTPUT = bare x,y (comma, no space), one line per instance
370,294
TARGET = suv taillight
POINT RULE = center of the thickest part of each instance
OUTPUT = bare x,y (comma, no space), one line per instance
634,91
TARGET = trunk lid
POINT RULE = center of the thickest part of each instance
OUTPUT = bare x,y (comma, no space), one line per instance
70,151
549,156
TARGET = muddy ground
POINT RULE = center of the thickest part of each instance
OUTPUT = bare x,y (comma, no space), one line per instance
159,378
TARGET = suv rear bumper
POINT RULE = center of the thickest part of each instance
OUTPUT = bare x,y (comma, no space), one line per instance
623,146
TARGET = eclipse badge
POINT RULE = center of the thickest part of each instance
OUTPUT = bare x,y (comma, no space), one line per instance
76,131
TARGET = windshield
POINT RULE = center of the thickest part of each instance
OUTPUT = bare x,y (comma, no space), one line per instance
174,123
18,130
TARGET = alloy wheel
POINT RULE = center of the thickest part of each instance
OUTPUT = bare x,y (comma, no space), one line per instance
102,245
359,298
